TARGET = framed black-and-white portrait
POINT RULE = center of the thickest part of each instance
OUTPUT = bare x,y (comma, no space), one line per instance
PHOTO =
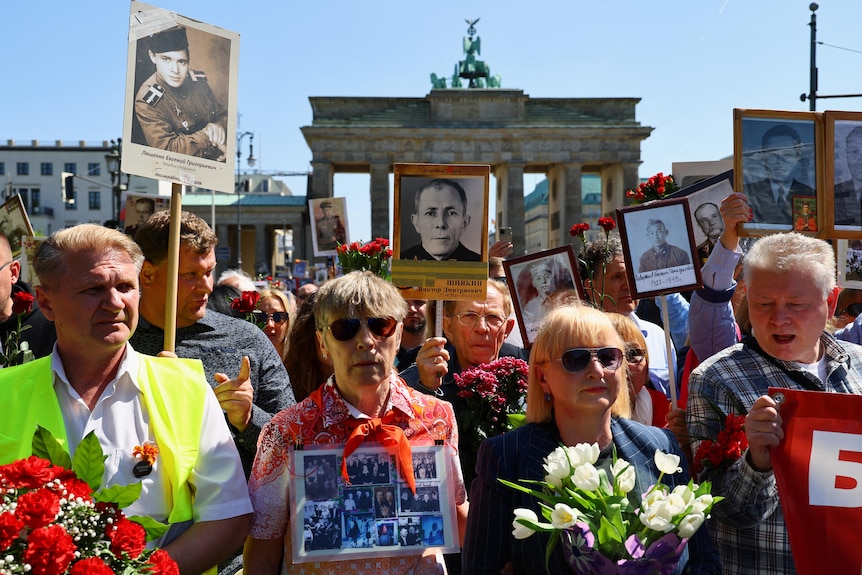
181,99
139,207
658,244
538,282
440,242
843,185
704,201
329,226
777,155
372,512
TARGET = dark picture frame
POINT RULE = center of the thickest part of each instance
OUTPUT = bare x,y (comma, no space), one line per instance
776,152
704,203
417,240
658,244
557,266
842,209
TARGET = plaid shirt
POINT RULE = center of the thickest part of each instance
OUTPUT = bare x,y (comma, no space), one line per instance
748,525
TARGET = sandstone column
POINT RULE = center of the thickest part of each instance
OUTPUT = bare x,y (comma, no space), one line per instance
380,216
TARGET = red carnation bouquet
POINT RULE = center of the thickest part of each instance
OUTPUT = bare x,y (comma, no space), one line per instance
373,256
16,352
657,187
726,448
54,518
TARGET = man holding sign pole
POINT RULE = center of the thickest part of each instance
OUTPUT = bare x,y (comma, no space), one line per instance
790,280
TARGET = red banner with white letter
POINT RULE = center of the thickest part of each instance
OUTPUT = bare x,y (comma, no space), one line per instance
818,468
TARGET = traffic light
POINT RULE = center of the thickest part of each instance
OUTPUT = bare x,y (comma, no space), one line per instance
67,186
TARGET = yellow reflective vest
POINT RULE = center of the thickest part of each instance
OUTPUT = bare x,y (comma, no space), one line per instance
173,392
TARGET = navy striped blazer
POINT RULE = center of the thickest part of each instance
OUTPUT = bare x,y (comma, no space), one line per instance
520,454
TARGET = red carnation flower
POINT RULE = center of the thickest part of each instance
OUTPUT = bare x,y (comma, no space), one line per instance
127,537
578,229
246,302
49,550
10,528
38,508
28,473
607,224
91,566
163,564
22,302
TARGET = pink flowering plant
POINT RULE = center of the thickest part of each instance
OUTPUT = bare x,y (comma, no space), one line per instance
603,523
495,393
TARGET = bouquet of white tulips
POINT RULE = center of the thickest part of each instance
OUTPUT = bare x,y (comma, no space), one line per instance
606,527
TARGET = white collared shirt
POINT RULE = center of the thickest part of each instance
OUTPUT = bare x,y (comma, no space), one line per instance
121,422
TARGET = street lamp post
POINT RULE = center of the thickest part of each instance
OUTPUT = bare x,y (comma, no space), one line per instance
113,160
251,161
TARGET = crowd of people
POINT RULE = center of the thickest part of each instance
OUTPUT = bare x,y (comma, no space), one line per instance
351,359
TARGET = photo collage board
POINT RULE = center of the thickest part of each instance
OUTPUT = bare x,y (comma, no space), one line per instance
374,514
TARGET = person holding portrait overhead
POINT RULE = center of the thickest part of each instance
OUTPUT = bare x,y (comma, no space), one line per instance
769,198
440,219
359,320
176,107
662,255
848,194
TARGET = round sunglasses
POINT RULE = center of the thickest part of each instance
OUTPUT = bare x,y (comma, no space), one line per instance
277,317
577,360
347,328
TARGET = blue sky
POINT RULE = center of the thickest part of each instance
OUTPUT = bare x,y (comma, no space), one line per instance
690,61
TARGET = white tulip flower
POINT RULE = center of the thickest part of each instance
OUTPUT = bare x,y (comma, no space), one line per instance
700,504
586,477
667,462
563,516
520,530
624,475
584,453
657,517
690,524
557,467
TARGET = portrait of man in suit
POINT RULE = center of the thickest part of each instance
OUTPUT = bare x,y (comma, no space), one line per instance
440,218
708,217
781,154
848,193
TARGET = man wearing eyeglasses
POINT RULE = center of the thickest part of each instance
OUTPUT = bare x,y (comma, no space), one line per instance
241,364
40,333
475,334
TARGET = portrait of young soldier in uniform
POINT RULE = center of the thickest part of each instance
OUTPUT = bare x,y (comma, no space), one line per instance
175,107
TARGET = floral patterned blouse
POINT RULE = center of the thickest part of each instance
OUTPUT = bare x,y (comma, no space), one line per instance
324,418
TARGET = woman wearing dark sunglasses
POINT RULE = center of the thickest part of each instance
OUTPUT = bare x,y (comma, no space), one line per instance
359,321
577,393
272,314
